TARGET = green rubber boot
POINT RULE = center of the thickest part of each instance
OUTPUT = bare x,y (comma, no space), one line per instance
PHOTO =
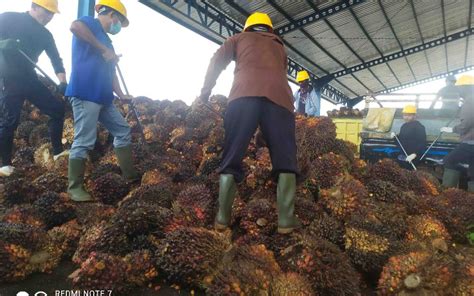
227,189
470,186
124,157
286,190
451,178
76,189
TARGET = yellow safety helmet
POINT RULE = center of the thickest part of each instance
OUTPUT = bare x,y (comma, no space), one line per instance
465,80
258,18
116,5
50,5
302,76
409,109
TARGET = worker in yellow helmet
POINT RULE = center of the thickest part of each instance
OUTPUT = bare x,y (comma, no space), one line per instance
91,92
18,79
260,96
412,137
307,101
464,153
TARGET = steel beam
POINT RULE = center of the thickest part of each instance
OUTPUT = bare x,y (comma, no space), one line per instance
443,13
421,35
217,27
406,52
85,8
317,16
469,23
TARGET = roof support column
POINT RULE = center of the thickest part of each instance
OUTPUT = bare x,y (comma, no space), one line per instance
85,8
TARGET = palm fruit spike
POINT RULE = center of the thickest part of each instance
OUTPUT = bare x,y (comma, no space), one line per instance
23,214
66,237
424,228
327,227
327,168
195,205
157,194
140,267
388,170
245,270
259,217
23,235
291,283
49,182
54,209
187,255
14,262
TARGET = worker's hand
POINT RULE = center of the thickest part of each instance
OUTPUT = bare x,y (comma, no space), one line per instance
411,157
446,129
110,56
62,88
392,135
203,98
9,44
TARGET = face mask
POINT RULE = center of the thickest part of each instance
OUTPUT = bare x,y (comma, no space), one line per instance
115,28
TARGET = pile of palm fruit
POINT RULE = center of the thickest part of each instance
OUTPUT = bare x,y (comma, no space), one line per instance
367,228
345,112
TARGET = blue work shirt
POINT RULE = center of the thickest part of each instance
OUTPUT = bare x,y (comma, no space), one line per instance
91,76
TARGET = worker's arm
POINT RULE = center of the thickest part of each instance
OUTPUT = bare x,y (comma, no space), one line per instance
434,101
56,61
80,30
223,56
467,119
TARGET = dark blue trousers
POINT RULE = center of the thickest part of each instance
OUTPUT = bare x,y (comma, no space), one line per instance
243,116
13,93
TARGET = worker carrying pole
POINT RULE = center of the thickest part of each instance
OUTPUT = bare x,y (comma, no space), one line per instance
464,153
23,37
91,92
449,95
307,101
260,95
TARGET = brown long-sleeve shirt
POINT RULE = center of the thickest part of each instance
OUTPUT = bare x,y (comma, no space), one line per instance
260,70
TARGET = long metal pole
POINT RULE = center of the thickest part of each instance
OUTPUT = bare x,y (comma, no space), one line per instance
403,149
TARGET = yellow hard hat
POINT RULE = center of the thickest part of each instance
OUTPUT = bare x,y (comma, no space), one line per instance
302,76
116,5
50,5
409,109
258,18
465,80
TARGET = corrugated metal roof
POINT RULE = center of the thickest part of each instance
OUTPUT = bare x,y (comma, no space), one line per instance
341,31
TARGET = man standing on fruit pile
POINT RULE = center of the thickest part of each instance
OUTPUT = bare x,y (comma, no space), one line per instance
91,92
260,96
19,81
464,153
307,101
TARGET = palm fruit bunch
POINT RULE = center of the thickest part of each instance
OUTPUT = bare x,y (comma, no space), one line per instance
154,194
392,216
194,206
16,190
44,156
54,209
141,218
359,169
23,214
455,208
244,270
423,183
390,171
49,182
325,266
102,169
347,195
384,191
327,168
306,209
155,176
140,267
418,273
109,188
38,136
14,262
291,283
369,241
327,227
345,149
66,237
23,235
424,228
259,217
23,157
186,255
90,214
464,273
179,137
24,129
215,141
100,271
